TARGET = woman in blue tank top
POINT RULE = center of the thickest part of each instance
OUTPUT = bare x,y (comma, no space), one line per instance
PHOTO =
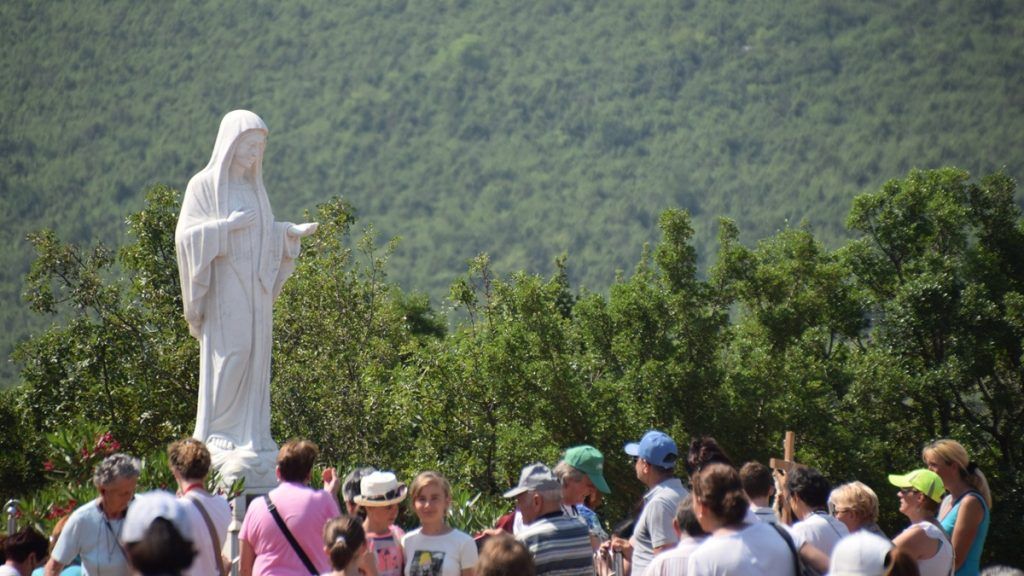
965,512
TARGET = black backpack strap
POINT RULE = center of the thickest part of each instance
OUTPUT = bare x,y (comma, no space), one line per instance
288,534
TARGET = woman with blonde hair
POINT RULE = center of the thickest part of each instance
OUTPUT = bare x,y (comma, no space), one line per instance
965,512
855,504
435,548
920,493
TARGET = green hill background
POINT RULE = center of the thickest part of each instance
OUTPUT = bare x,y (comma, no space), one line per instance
521,129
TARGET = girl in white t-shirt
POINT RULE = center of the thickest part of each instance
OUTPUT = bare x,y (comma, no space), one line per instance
435,548
734,547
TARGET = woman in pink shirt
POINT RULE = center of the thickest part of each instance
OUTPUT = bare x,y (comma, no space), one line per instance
265,549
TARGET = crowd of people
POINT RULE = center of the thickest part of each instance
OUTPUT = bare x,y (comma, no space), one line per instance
728,520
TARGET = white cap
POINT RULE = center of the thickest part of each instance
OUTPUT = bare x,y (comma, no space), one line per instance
860,554
147,507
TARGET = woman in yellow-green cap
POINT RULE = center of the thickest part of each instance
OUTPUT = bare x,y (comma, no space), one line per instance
920,494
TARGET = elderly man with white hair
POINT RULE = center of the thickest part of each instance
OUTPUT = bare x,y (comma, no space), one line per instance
559,544
93,532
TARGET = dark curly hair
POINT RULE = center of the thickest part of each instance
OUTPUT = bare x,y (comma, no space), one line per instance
703,451
809,485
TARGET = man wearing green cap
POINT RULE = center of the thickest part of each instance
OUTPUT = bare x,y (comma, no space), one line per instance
581,473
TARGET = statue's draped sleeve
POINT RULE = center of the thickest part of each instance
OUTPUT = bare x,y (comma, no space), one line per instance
199,238
285,260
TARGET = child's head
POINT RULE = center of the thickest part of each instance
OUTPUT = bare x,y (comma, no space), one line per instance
351,487
431,496
379,495
504,555
343,539
379,515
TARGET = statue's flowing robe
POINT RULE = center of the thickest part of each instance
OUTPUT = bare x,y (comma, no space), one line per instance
229,281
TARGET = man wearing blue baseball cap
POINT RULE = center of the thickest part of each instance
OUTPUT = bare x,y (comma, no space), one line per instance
654,458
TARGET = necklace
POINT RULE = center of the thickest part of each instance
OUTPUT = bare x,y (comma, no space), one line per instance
193,486
115,535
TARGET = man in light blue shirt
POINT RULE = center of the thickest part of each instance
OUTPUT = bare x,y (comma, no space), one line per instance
655,458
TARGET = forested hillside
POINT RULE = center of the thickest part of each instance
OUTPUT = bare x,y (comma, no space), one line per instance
521,129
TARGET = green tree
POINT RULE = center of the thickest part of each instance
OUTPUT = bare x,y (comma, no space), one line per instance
120,356
799,319
941,262
500,391
341,331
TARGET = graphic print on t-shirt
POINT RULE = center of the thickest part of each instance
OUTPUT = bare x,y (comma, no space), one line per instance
389,561
389,554
426,563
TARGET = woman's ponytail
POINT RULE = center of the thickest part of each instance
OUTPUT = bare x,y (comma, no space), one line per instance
343,537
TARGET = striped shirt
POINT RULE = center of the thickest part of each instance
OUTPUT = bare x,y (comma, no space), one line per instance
560,545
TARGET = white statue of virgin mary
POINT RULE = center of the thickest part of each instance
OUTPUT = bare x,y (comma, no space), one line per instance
233,259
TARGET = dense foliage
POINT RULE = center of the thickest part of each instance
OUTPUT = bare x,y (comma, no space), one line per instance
521,129
911,331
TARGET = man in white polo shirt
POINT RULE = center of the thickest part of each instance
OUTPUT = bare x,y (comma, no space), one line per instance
808,492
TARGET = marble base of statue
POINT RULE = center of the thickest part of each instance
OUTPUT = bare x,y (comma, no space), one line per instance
257,467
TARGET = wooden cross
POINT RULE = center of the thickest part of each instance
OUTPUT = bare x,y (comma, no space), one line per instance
781,467
786,463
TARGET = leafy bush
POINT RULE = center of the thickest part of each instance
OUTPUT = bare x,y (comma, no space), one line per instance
913,331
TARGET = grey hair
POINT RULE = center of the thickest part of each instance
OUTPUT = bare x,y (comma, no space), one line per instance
115,467
550,494
566,472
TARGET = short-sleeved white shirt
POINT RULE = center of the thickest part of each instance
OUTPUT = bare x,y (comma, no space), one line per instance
445,555
96,539
673,562
219,510
820,530
756,550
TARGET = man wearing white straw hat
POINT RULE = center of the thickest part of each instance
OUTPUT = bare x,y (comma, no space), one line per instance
379,494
